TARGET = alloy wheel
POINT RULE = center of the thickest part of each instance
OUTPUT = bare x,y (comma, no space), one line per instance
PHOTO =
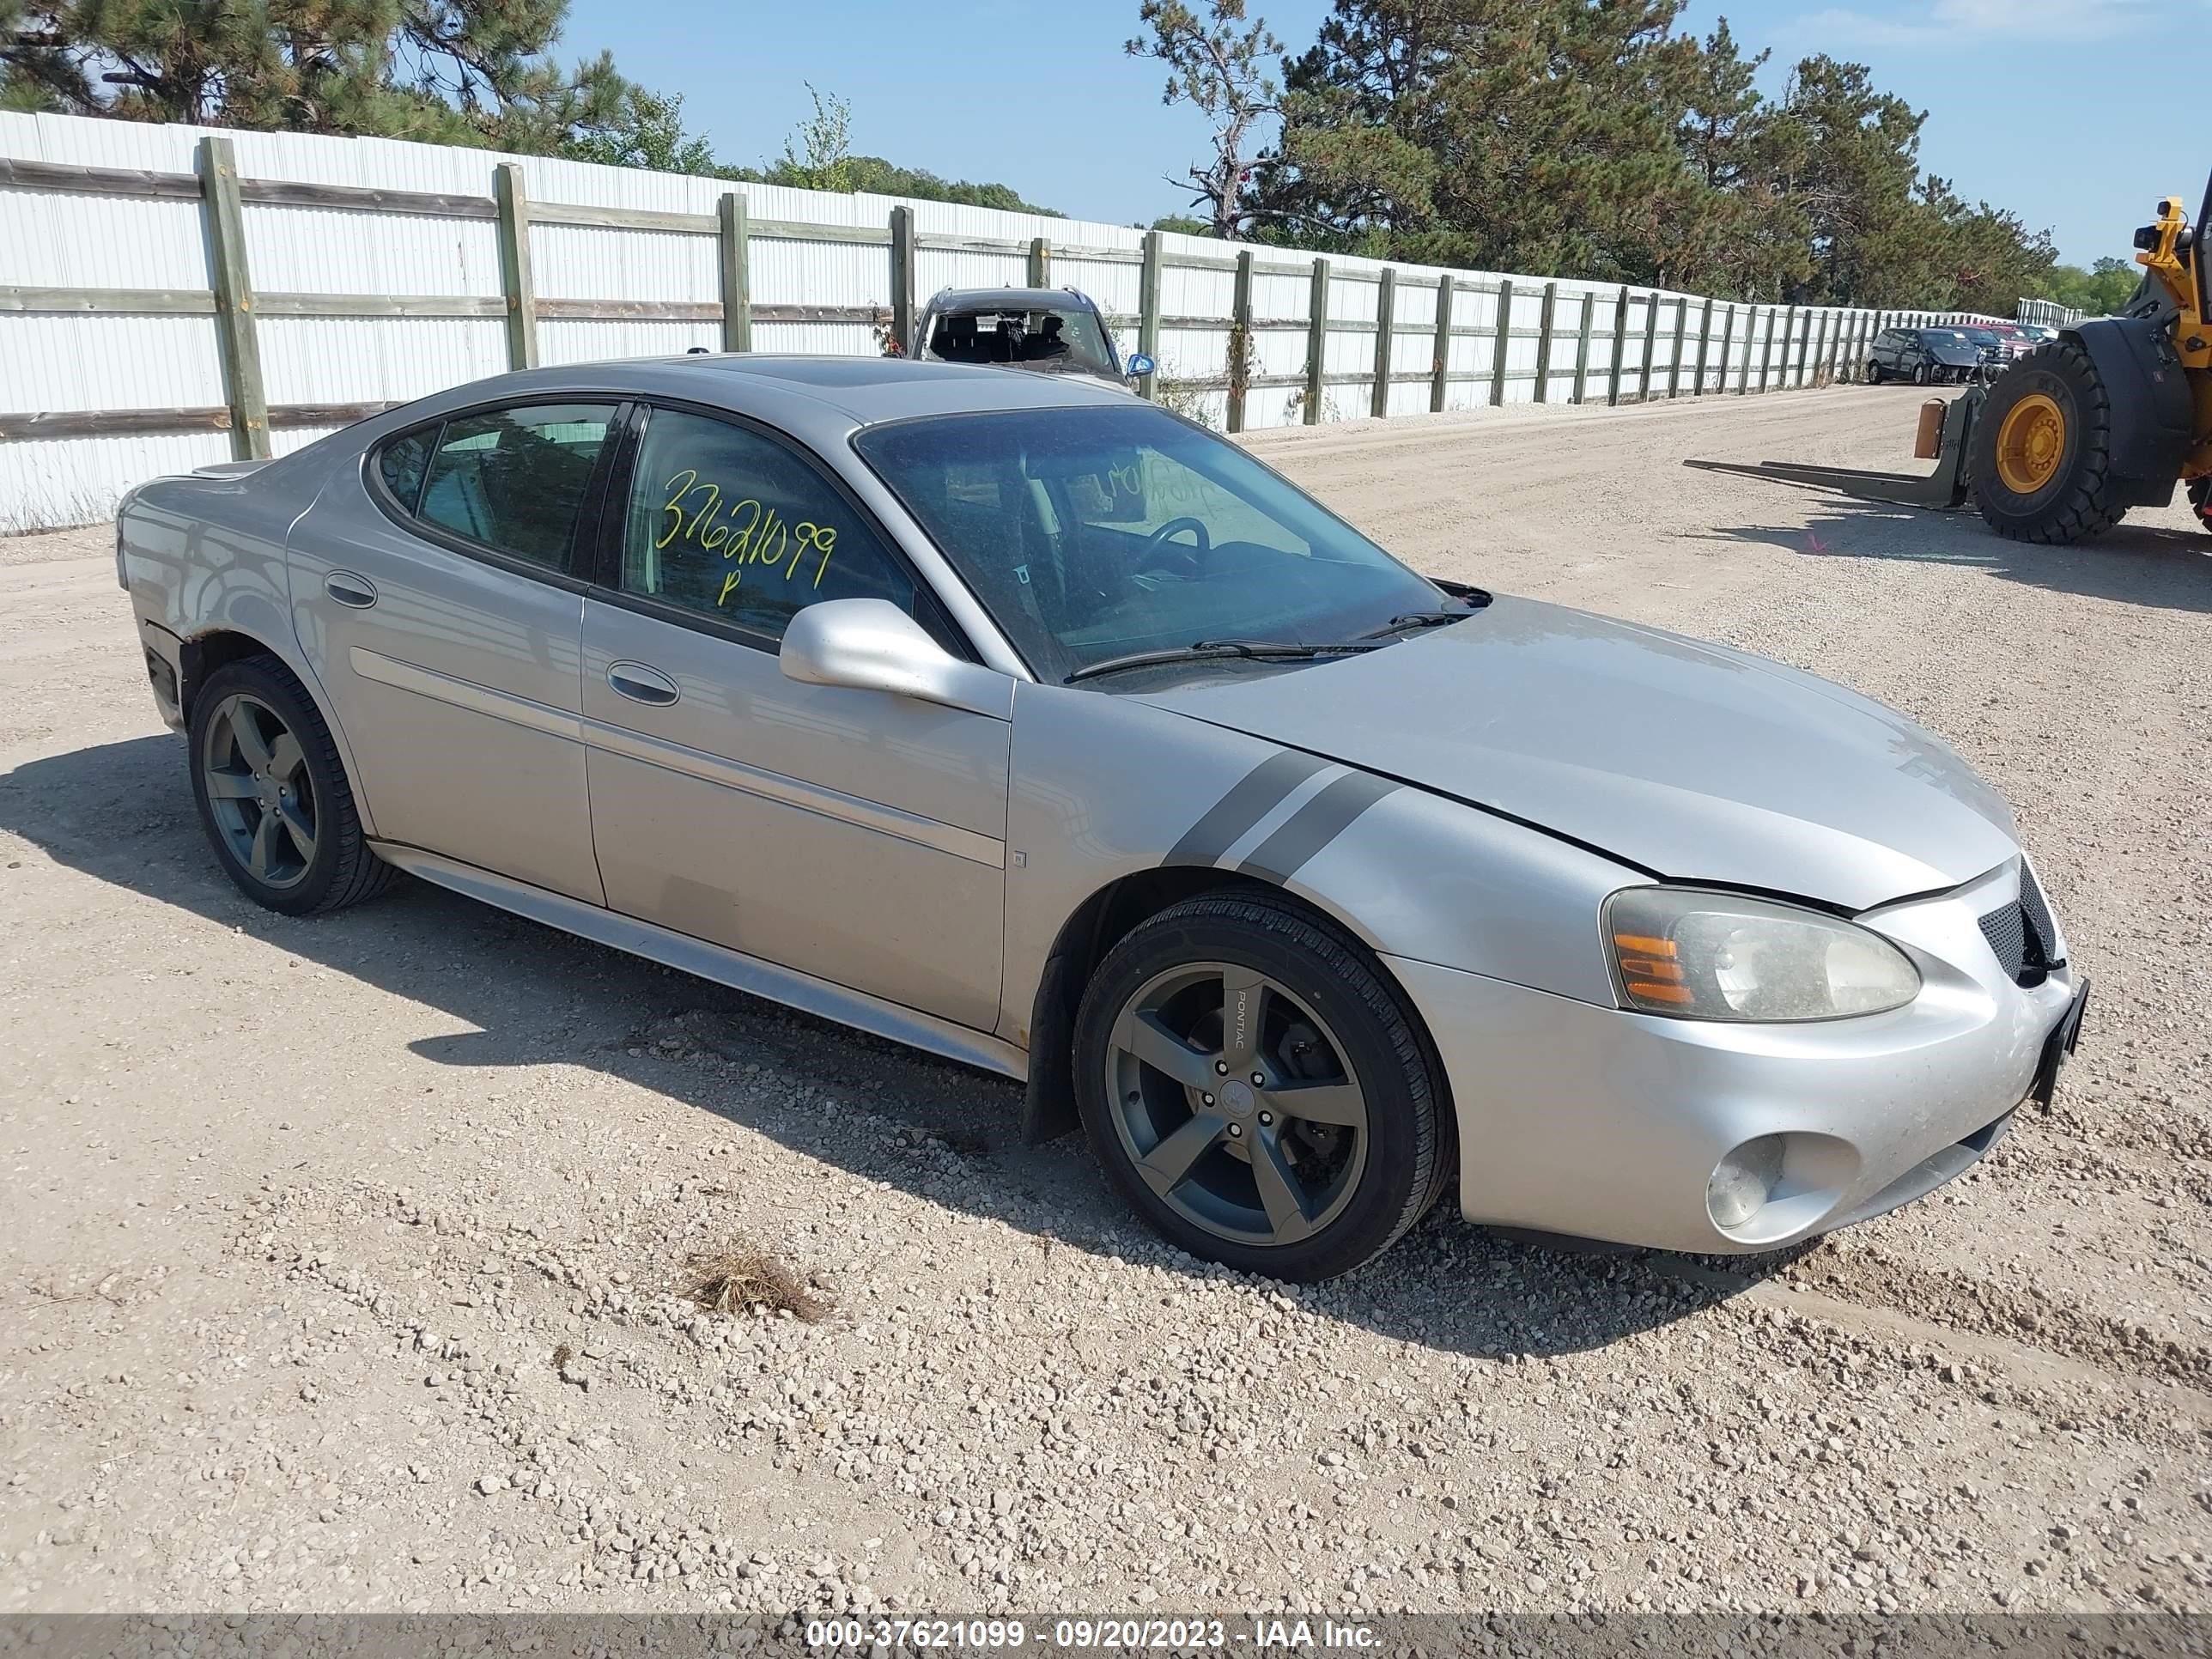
1230,1097
258,791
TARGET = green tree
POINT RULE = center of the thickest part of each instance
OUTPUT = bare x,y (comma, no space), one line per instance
818,155
2104,287
882,178
1215,62
646,131
452,71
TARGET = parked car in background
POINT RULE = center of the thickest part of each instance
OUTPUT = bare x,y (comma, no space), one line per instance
2013,339
1015,719
1047,330
1927,356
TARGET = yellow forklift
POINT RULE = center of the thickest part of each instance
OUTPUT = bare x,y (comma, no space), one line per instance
2110,415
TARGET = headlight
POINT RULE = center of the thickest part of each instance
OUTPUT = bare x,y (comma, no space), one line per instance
1715,956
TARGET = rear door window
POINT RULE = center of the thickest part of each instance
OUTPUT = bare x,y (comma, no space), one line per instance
512,480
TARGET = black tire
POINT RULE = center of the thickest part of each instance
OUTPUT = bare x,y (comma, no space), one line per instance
1408,1137
1922,374
341,869
2200,499
1873,372
2075,503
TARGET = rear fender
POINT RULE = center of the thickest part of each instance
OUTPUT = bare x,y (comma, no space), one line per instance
2154,412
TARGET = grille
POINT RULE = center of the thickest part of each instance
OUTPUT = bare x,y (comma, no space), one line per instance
2022,935
2006,929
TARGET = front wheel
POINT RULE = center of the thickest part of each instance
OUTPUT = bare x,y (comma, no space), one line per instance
1924,375
1257,1092
2041,455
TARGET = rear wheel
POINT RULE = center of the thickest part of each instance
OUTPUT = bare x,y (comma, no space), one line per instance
1256,1090
2041,460
273,796
1873,372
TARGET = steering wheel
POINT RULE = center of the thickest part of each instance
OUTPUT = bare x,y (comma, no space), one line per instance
1158,541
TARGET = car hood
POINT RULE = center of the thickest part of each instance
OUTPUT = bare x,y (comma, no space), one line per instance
1692,760
1961,352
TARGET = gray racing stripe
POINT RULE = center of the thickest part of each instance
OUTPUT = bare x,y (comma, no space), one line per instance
1254,795
1314,825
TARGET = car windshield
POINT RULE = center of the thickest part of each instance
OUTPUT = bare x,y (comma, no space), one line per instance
1067,338
1093,533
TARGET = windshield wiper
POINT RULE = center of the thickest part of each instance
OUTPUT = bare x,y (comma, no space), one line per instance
1210,650
1415,619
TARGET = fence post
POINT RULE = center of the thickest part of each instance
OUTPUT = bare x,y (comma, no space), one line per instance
1705,346
1148,310
237,343
1620,347
737,274
1546,320
1682,337
1650,346
514,267
1440,371
1788,342
1317,340
1040,271
1582,345
1728,351
903,280
1240,340
1822,367
1386,296
1501,343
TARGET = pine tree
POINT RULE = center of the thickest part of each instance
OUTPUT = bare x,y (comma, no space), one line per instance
452,71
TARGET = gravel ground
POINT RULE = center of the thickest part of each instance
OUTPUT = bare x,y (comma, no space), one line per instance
342,1261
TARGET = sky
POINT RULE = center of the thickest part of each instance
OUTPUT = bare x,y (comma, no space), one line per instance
2073,114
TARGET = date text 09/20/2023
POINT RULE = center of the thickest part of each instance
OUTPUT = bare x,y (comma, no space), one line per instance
1078,1633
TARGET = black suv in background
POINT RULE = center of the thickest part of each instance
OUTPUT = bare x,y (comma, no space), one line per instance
1928,356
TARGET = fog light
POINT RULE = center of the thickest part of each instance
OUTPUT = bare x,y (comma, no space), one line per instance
1742,1181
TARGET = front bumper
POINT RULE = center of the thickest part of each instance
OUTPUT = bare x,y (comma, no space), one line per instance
1604,1124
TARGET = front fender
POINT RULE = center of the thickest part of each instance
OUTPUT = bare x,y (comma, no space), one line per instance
2153,411
1104,787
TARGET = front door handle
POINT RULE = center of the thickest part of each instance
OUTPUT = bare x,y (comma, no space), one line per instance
348,589
638,684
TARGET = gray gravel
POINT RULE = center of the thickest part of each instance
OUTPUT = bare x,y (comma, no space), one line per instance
342,1262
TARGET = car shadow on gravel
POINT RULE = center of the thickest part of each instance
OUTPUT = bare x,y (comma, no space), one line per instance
2142,564
121,812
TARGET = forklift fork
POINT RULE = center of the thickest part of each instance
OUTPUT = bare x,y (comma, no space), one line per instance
1944,489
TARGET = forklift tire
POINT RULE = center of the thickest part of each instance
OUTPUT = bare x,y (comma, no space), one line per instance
2041,459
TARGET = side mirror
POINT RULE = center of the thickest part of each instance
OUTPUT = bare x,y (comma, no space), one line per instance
1138,365
870,645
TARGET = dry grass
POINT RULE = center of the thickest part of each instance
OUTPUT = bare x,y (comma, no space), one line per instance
561,1356
733,1280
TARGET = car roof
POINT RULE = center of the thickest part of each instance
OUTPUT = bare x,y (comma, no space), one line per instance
1009,298
821,398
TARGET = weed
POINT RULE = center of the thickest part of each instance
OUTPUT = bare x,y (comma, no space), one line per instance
733,1280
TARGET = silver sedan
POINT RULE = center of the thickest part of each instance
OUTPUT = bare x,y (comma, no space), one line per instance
1026,723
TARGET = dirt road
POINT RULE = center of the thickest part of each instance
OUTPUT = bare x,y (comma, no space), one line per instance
297,1213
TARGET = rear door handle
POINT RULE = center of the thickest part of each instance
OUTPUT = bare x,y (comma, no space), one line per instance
638,684
348,589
